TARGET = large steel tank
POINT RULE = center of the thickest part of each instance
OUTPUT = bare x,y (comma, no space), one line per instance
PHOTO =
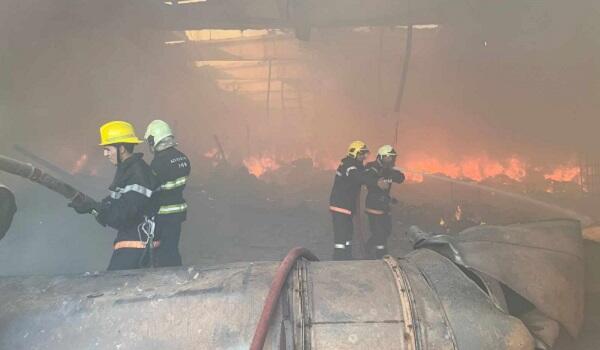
422,301
327,305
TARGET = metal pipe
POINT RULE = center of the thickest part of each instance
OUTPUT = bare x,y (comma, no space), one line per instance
422,301
220,148
269,90
404,75
324,305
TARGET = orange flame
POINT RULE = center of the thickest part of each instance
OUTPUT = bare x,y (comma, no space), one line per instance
211,153
79,164
257,166
474,168
563,174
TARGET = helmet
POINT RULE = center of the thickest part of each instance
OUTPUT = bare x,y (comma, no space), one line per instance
117,132
386,155
386,150
357,147
157,131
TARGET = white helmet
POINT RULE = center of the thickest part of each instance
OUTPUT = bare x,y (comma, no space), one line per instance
157,131
386,150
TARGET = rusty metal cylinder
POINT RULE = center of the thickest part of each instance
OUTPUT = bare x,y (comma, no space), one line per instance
383,304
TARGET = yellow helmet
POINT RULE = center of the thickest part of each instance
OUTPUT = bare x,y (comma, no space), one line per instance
117,132
357,147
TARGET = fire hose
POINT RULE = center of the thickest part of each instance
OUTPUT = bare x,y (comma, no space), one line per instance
38,176
262,328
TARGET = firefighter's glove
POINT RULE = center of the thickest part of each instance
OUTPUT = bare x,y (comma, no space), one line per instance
384,184
393,200
85,205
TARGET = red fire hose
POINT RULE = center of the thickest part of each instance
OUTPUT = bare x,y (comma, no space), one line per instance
260,334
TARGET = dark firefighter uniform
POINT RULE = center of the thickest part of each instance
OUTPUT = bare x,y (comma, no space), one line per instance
349,177
172,168
129,204
377,205
125,210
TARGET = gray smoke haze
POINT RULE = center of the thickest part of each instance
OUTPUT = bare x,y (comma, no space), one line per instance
508,74
504,78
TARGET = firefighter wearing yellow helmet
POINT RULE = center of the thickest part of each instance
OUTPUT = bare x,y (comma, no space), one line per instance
349,177
173,169
116,132
358,149
128,205
382,175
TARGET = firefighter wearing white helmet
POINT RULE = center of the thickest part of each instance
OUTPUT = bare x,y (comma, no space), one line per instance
173,169
349,177
382,175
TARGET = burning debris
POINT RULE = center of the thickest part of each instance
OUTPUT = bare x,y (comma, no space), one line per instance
258,166
512,171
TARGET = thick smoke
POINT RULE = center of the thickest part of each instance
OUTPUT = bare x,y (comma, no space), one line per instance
502,79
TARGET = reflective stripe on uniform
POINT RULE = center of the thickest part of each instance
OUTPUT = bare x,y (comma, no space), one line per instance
340,246
172,209
380,247
169,185
340,210
134,245
348,170
374,211
135,188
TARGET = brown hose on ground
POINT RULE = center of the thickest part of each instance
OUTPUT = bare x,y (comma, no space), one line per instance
260,334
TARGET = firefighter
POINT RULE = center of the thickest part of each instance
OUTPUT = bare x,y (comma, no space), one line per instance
172,168
8,208
127,207
349,178
382,175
